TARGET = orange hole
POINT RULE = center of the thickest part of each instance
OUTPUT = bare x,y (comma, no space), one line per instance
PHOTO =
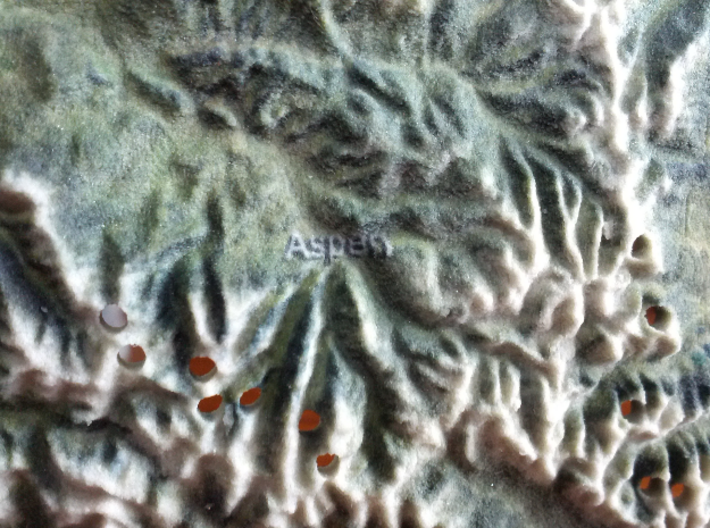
677,490
645,483
309,420
651,315
210,404
201,366
324,460
626,408
249,397
131,353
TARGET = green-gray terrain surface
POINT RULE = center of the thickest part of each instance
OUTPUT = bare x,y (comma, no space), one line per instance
471,236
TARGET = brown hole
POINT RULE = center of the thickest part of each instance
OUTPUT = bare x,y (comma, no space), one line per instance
658,317
651,315
641,247
677,490
309,420
14,202
325,460
626,407
645,483
131,354
201,366
210,404
251,396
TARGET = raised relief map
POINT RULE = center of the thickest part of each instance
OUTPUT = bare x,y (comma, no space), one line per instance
354,263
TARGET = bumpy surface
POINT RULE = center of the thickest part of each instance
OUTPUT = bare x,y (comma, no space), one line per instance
422,264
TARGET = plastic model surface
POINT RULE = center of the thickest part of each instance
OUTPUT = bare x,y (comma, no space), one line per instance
413,264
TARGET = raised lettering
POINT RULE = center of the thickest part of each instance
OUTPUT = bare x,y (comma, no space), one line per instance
379,247
355,246
335,247
296,246
315,247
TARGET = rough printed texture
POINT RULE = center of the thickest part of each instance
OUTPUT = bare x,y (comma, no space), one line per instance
469,237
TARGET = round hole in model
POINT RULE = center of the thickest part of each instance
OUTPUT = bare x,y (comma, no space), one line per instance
626,408
201,366
325,460
631,409
250,397
309,421
131,355
652,486
113,317
658,317
209,404
641,247
15,203
677,489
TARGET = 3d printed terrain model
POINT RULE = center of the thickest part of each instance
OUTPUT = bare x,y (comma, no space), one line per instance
354,263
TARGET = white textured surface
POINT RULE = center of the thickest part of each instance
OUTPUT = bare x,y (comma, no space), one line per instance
474,377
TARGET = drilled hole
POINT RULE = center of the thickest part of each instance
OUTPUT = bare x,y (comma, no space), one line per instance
684,496
652,486
15,203
201,366
131,355
310,420
632,410
651,315
626,408
677,489
658,317
325,460
641,247
113,317
250,397
210,404
645,483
